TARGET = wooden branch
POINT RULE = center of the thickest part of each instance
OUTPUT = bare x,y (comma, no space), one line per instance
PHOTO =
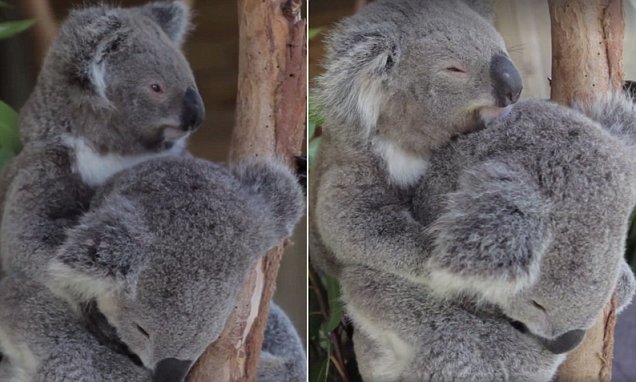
587,60
45,28
270,121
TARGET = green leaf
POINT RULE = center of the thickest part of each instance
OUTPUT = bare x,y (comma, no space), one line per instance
9,137
313,32
3,4
313,149
320,372
314,115
336,311
10,28
312,129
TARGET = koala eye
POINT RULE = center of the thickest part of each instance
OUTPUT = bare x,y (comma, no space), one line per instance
156,88
142,330
455,69
538,306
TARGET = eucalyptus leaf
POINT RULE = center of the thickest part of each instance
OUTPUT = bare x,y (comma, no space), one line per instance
9,137
336,311
313,32
313,149
11,28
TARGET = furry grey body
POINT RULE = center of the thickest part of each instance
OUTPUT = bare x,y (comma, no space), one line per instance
161,255
401,79
526,224
93,113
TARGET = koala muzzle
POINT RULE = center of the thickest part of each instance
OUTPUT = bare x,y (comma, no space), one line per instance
171,370
507,84
565,342
193,111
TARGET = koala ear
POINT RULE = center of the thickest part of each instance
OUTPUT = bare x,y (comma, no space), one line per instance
172,17
485,8
615,111
492,236
92,34
103,254
625,286
279,196
352,88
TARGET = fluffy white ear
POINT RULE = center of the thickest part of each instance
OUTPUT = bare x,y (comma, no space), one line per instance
102,255
491,238
90,35
351,90
172,17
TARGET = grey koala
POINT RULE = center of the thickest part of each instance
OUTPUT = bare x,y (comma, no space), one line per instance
154,267
402,78
114,90
33,320
527,221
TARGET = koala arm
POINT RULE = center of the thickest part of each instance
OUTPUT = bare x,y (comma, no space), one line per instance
625,287
42,200
492,234
363,223
282,356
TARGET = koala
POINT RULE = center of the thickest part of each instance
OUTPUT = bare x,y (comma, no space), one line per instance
33,319
402,78
154,266
114,90
526,222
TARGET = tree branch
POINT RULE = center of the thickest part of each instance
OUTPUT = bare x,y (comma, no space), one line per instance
587,60
270,121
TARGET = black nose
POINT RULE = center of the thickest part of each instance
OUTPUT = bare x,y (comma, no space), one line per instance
193,110
565,342
171,370
507,84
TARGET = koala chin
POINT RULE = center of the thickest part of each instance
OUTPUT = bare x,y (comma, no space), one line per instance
115,90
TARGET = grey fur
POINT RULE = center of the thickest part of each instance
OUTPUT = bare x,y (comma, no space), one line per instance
93,113
44,341
167,244
283,357
389,87
527,221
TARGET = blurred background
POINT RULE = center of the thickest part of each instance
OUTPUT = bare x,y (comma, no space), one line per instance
212,49
525,26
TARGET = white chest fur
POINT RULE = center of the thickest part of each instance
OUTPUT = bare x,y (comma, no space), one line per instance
95,168
404,169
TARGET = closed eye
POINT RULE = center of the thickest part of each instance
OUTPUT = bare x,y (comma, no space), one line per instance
538,306
455,69
142,330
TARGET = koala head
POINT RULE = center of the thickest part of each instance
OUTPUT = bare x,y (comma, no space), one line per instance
534,220
415,73
120,80
163,252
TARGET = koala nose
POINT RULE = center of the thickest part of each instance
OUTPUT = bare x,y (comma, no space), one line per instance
171,370
565,342
193,110
507,84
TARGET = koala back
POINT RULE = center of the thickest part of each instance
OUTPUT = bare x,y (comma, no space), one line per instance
531,213
166,246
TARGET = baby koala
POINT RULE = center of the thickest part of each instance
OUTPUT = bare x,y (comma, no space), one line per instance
115,90
402,78
152,271
527,221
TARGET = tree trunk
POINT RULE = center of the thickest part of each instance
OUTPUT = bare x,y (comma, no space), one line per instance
270,121
587,60
44,30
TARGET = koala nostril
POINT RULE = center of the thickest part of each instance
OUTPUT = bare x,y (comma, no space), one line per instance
507,83
565,342
171,370
193,110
